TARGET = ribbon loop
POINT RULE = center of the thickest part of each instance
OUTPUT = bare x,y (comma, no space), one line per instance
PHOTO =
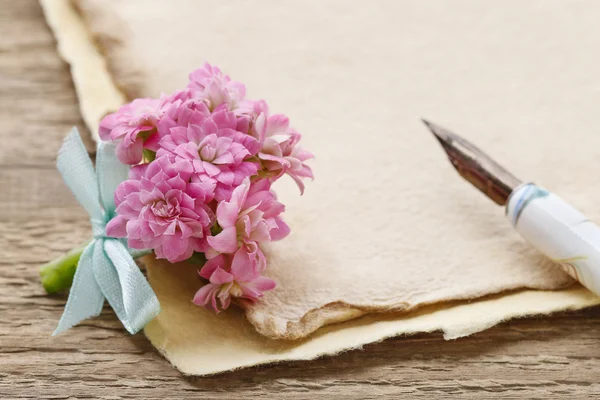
106,269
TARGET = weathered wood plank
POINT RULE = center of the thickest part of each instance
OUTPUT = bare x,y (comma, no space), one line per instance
37,101
532,358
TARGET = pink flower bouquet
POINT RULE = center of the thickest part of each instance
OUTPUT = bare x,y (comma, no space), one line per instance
202,164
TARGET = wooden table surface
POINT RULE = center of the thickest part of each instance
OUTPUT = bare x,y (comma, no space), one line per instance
39,219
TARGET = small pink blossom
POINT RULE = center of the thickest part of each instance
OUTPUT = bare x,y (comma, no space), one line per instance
217,151
217,88
182,111
133,127
231,276
160,209
280,153
251,216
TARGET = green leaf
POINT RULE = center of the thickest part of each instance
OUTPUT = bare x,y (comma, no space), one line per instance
149,155
197,258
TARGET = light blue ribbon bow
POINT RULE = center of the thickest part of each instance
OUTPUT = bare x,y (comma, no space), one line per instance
106,269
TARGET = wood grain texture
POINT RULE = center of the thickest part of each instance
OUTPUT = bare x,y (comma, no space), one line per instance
531,358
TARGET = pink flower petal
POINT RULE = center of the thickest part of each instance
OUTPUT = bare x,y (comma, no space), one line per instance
205,295
263,284
242,267
281,231
116,227
106,126
152,141
138,171
130,154
224,242
220,276
176,248
227,214
212,264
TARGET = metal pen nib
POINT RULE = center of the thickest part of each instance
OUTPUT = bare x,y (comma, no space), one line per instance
475,166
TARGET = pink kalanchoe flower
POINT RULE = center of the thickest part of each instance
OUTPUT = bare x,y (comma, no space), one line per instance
217,88
251,216
231,276
133,127
182,111
280,153
217,151
158,208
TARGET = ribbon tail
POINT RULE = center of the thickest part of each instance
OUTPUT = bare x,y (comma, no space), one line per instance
125,287
85,297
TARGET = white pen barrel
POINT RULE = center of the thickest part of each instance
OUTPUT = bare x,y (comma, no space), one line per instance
559,231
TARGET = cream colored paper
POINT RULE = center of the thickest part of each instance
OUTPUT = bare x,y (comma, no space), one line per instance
95,89
387,225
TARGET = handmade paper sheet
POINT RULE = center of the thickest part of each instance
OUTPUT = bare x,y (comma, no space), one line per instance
387,226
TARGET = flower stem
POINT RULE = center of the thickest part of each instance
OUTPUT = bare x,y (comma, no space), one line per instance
58,274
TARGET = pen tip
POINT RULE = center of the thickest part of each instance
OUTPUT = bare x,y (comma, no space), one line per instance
427,123
440,133
474,165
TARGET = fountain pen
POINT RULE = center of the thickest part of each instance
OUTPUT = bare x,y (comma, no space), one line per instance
549,223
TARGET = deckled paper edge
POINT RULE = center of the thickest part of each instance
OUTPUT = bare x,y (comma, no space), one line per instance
95,88
454,319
